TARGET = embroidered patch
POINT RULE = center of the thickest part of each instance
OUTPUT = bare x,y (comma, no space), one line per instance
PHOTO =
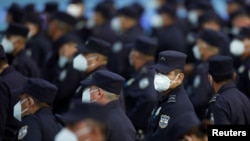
163,123
22,132
143,83
197,81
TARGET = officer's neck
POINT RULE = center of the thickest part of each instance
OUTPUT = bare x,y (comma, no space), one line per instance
3,67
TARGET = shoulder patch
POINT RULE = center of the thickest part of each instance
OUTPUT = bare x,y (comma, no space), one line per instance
171,99
213,99
144,82
163,123
22,132
197,81
241,69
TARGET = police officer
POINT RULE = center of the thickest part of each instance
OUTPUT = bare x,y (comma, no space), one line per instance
93,57
10,79
198,87
14,44
104,88
34,111
15,14
139,93
174,100
84,121
240,49
229,105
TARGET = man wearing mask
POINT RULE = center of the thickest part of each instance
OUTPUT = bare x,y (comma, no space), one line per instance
14,44
139,93
93,57
198,87
104,88
240,49
34,111
84,121
229,105
10,79
174,101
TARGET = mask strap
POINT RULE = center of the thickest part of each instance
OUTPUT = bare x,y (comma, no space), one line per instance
174,81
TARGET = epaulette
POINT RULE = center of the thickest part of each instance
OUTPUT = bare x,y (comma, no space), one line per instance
171,99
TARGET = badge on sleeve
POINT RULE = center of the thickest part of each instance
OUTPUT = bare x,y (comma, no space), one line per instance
22,132
143,83
163,123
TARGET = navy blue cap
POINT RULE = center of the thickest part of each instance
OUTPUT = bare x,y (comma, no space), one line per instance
2,53
40,89
202,5
167,9
67,38
221,67
16,12
129,11
80,111
104,9
244,33
64,17
211,37
139,8
106,80
208,16
17,29
34,18
51,7
76,1
238,13
170,60
96,45
145,45
183,124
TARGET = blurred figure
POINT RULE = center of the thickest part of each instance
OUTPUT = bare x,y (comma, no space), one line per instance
126,24
10,80
174,101
240,49
14,44
198,88
15,14
38,46
68,49
229,105
50,8
104,88
34,111
139,93
84,121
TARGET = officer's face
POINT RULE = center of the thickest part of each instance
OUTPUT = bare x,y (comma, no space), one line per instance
93,60
68,50
99,20
95,93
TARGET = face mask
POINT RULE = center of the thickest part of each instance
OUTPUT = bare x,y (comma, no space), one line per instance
7,46
196,52
116,25
80,63
74,10
181,12
157,21
17,112
237,47
235,31
86,95
162,82
193,17
90,23
62,61
67,135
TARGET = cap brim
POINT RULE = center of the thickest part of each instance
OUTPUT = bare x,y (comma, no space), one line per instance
162,68
86,50
18,91
71,117
86,83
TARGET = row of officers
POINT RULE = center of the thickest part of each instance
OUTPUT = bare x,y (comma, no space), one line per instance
153,105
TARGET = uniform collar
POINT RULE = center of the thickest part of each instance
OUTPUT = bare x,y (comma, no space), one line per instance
227,86
7,70
172,94
113,104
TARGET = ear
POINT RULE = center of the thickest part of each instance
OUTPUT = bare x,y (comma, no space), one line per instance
101,93
187,138
180,77
30,101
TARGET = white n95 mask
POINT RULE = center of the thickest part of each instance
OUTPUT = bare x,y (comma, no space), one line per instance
196,52
237,47
7,45
67,135
80,63
17,111
162,82
62,61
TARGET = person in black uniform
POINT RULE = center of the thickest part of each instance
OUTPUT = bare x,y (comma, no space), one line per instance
129,29
34,108
229,105
68,49
38,45
174,100
84,121
139,93
15,14
14,43
104,88
198,87
10,79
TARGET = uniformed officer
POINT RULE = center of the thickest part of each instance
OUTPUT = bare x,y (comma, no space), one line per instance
174,100
139,93
84,121
229,105
104,88
93,57
15,14
240,49
9,79
14,43
34,111
199,89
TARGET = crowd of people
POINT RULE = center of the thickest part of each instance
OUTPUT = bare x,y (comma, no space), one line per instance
68,77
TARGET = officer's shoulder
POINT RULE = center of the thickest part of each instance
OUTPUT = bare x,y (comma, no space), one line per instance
171,99
214,98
